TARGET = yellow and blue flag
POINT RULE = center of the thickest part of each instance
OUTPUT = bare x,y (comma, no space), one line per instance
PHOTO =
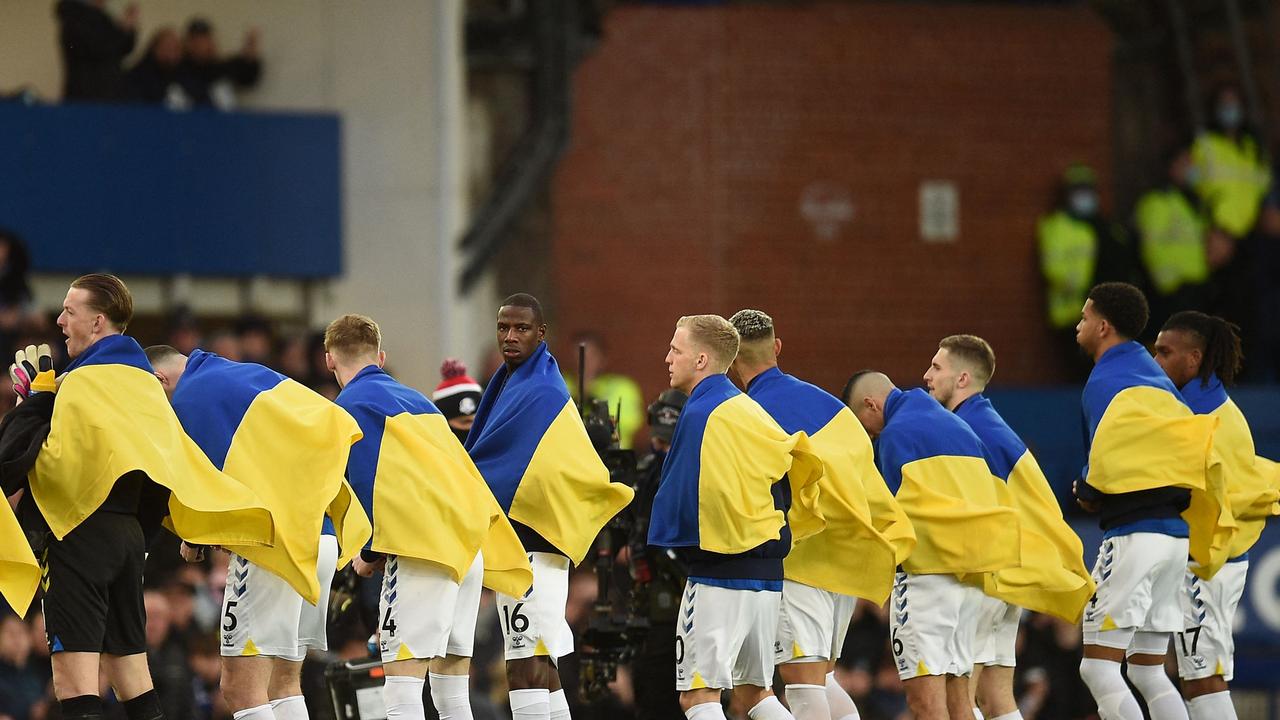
962,514
409,466
1053,578
717,486
1142,436
19,571
287,442
530,445
1253,482
110,418
849,478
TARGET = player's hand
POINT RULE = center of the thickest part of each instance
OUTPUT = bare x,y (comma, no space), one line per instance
191,553
32,371
1086,505
367,569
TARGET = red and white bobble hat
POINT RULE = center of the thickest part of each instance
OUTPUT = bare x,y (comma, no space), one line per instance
458,394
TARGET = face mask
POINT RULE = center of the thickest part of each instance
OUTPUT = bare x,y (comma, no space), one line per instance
1083,203
1230,116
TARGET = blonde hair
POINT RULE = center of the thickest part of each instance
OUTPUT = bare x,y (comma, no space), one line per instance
717,336
973,352
352,336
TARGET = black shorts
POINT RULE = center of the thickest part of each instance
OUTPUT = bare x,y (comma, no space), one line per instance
93,587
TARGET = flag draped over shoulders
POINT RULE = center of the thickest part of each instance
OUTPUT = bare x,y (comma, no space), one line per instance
962,514
1052,578
530,445
1252,482
286,442
850,478
1143,436
110,418
716,488
424,495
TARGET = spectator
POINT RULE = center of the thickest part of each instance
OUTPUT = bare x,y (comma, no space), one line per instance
457,396
184,330
156,78
226,344
621,392
1172,232
1079,248
211,81
295,359
15,291
1264,357
1232,175
21,685
93,47
257,341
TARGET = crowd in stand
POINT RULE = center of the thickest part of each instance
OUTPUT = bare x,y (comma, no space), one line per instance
179,71
1206,237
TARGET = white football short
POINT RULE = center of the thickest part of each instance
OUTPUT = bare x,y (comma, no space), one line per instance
534,625
996,640
933,621
263,615
1140,584
725,638
423,613
1205,646
813,623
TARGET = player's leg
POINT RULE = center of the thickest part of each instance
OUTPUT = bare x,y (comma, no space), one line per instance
839,703
416,610
1110,620
995,682
450,681
1205,648
704,667
754,632
536,633
803,651
961,650
285,687
124,643
924,611
261,614
1150,646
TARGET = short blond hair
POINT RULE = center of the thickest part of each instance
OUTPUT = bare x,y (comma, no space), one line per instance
974,353
717,336
352,336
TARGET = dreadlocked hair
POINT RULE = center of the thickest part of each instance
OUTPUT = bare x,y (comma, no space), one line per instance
1219,341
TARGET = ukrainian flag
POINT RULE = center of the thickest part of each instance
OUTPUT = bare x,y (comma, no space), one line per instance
1053,578
409,465
716,488
19,571
530,446
111,417
290,445
849,477
1143,436
1253,482
962,514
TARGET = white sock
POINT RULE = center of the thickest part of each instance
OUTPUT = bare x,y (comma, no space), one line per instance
842,707
451,694
1163,700
559,705
1109,690
1015,715
262,712
769,709
402,695
977,714
1214,706
290,708
532,704
705,711
808,702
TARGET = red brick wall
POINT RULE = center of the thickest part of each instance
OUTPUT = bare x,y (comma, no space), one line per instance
696,131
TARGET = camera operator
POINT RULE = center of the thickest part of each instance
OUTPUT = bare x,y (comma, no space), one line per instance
658,577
